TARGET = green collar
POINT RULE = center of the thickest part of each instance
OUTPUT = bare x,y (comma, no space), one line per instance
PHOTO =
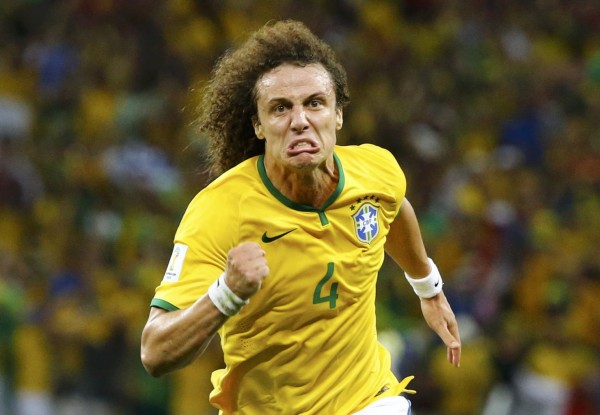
295,205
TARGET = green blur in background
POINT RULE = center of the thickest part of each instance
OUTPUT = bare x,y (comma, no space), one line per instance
491,108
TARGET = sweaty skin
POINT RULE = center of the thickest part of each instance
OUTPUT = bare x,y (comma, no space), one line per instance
298,118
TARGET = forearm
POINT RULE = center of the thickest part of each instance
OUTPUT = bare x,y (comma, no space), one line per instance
405,244
172,340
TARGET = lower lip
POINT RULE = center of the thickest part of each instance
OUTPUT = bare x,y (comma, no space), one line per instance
296,151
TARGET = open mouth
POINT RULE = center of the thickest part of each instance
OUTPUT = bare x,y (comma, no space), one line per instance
302,146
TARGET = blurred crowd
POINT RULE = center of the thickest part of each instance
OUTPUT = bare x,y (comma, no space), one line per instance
491,107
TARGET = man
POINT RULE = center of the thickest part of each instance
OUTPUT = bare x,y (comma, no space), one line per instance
280,253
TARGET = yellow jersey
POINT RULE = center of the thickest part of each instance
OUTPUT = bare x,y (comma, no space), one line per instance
306,343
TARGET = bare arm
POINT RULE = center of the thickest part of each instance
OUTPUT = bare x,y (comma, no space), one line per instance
405,245
172,340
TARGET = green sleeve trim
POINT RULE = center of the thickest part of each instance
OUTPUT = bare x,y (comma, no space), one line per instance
157,302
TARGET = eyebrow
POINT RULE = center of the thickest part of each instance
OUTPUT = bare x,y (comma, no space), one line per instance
307,99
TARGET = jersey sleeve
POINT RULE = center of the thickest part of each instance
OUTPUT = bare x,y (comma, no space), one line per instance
388,172
205,234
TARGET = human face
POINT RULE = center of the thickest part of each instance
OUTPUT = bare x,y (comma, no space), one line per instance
297,116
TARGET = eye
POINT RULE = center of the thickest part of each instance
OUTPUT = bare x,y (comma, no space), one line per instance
279,108
315,103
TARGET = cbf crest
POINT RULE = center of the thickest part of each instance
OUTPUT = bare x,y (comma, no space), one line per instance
366,223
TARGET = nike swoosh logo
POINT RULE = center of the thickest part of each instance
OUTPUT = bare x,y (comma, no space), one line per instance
437,283
268,239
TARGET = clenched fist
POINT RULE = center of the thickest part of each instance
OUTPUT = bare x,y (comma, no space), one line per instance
246,269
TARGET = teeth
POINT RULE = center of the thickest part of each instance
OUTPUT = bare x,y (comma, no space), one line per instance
302,145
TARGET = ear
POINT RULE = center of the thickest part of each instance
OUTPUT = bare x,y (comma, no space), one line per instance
258,128
339,118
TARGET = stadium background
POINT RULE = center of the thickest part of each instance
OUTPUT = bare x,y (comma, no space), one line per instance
491,107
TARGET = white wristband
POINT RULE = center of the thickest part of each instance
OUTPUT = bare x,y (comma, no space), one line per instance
429,286
224,299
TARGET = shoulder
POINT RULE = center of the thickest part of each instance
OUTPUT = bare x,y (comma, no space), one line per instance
218,204
368,156
365,151
244,174
230,185
372,166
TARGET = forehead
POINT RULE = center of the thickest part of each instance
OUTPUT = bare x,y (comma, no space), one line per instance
289,81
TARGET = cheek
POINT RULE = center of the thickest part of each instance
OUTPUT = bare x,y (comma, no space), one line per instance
273,145
274,127
276,132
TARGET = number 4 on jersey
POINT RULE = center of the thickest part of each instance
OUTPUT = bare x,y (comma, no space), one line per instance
333,295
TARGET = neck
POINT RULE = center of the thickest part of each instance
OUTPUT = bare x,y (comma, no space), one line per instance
310,187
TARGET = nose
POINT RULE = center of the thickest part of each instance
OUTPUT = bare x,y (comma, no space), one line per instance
299,121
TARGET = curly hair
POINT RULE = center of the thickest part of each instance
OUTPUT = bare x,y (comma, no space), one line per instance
228,101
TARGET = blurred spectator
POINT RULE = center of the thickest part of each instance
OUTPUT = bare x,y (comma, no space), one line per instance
490,107
475,378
